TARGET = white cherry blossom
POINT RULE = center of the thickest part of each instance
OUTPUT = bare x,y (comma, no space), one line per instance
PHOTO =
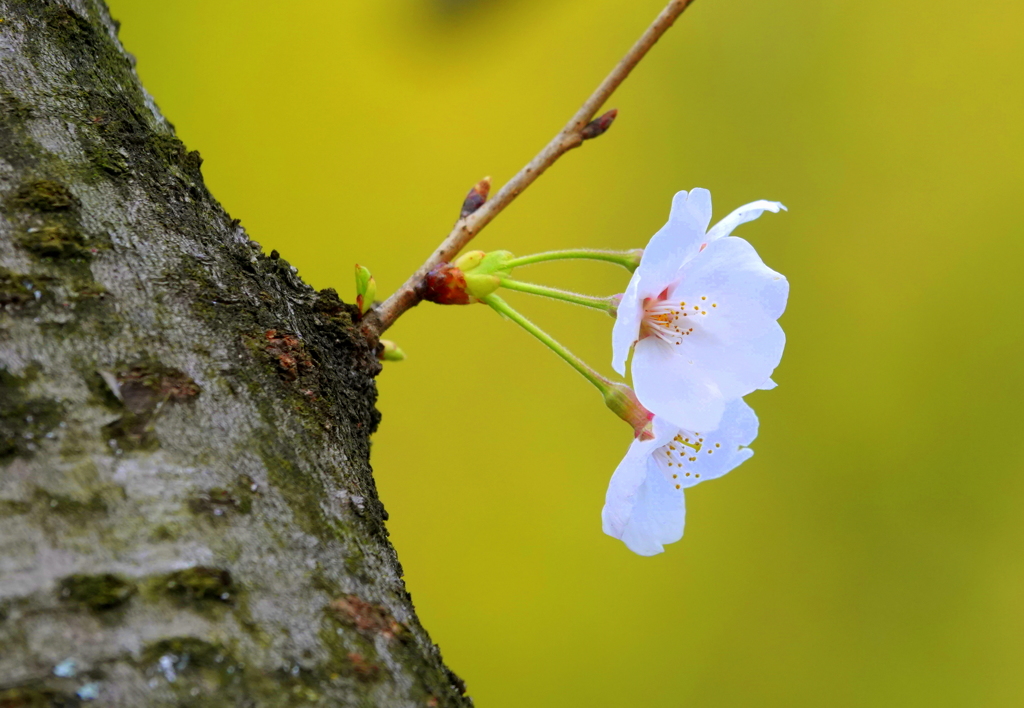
644,505
701,309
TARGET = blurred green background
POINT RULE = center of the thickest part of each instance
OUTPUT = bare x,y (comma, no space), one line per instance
870,554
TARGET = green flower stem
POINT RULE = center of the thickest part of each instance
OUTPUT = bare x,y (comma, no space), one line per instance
598,303
627,259
571,359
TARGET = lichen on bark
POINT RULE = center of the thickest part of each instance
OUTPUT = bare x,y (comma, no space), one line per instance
187,511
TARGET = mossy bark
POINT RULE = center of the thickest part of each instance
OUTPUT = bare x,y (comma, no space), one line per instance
187,511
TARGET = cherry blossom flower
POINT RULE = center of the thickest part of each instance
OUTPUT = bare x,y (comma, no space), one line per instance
644,505
701,309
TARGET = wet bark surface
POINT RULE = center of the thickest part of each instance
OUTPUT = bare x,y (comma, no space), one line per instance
187,511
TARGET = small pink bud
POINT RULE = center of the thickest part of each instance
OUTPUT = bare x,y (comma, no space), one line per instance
476,197
599,126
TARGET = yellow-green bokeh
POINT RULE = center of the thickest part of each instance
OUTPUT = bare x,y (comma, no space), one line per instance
870,554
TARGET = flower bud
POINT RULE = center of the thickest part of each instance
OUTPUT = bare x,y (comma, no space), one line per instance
476,198
390,352
495,263
624,403
366,289
599,126
469,260
486,273
480,285
446,285
472,277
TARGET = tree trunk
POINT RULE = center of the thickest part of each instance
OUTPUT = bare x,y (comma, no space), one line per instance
187,511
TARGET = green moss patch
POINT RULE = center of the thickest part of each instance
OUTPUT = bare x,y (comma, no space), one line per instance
49,214
25,420
106,160
15,289
303,491
205,674
69,506
97,592
197,585
13,108
13,507
132,433
188,652
30,697
68,25
56,241
43,195
339,314
220,501
173,152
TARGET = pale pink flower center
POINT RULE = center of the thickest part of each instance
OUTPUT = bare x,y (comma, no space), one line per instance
673,320
680,455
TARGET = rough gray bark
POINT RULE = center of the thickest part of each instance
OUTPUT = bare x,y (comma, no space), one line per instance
187,511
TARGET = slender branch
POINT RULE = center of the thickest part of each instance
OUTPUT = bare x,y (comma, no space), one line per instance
605,304
627,259
410,294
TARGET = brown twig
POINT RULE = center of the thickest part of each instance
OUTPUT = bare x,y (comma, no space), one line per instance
571,136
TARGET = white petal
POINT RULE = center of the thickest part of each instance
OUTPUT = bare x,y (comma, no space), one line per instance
689,385
676,242
736,369
621,495
626,329
629,476
659,516
641,507
694,212
729,292
722,450
670,386
745,213
767,385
